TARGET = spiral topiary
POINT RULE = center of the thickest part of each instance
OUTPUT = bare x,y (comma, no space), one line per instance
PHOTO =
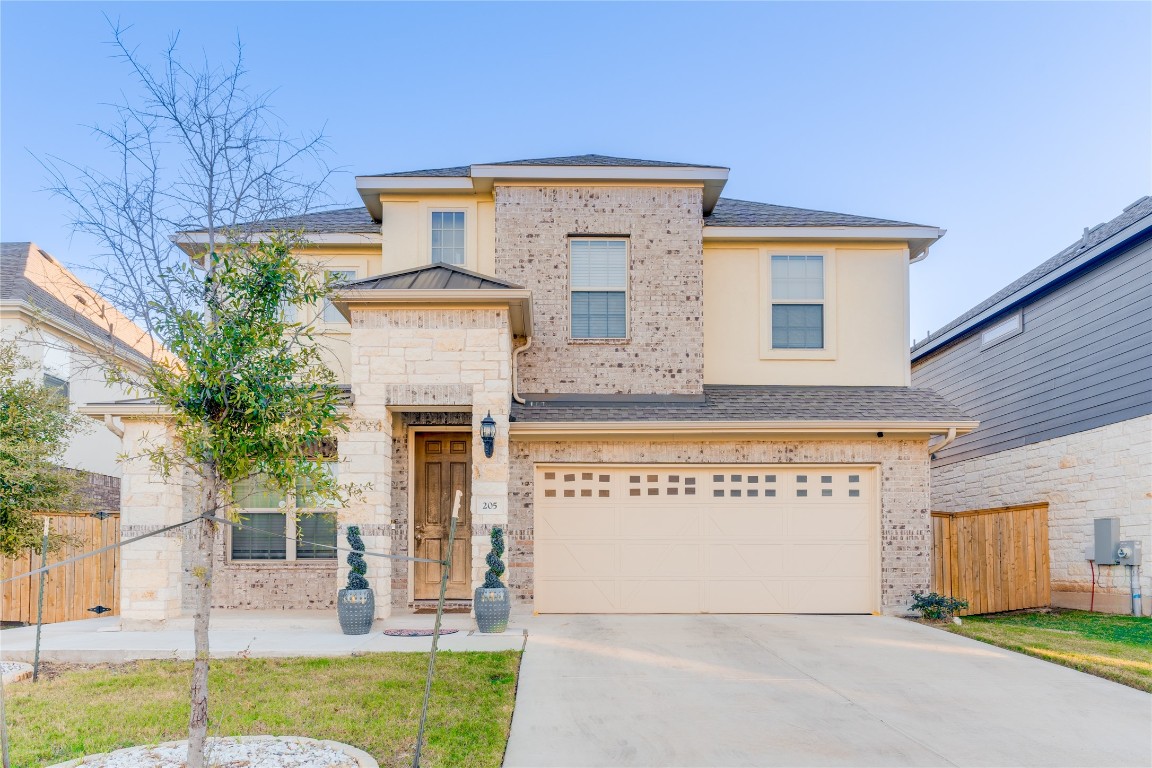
356,578
495,565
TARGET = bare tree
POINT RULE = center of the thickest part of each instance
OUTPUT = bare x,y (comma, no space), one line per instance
203,169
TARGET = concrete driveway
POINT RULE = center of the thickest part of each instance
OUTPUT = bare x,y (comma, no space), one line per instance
806,690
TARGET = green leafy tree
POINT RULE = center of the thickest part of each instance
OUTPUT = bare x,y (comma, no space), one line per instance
35,428
248,396
203,167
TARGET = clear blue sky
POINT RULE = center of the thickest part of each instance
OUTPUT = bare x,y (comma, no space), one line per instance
1013,126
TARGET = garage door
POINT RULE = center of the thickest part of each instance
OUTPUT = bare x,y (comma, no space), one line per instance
706,539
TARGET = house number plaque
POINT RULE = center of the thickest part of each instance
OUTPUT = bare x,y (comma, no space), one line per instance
490,505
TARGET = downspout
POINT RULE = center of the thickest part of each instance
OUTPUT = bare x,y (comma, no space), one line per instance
943,443
515,357
108,422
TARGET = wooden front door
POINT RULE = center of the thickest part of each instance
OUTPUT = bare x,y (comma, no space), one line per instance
443,466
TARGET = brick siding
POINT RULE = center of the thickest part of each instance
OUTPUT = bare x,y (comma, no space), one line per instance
664,353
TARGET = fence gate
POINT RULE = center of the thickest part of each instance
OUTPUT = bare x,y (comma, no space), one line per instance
80,590
996,559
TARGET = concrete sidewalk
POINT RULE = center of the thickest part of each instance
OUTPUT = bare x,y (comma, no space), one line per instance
259,634
807,691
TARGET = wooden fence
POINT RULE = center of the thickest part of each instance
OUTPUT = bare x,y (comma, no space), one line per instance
996,559
71,590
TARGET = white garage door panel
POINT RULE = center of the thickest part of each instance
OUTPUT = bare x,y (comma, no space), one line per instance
703,538
744,560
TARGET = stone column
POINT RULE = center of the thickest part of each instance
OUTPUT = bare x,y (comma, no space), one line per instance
366,461
151,570
493,394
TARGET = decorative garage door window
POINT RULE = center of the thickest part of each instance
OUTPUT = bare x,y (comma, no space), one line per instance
746,483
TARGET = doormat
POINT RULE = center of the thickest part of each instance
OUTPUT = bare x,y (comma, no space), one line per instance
416,632
423,611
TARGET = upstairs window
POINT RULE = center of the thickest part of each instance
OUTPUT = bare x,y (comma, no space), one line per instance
57,365
798,302
332,315
598,280
447,237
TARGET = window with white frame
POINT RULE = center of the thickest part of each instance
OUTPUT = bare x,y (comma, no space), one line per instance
330,314
56,364
283,527
447,237
598,280
1003,330
797,301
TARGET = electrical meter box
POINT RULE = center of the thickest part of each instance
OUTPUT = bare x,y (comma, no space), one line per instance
1107,540
1129,553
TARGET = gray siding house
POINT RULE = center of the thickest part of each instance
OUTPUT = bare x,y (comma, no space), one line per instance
1057,367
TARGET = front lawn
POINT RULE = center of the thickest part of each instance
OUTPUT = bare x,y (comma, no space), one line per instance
371,702
1115,647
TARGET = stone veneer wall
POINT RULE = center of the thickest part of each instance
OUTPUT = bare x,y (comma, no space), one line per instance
665,351
151,570
423,358
1105,472
906,528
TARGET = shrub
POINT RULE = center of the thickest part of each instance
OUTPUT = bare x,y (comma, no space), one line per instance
495,565
936,607
356,578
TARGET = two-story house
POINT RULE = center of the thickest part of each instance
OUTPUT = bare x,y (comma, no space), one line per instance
69,334
699,404
1057,366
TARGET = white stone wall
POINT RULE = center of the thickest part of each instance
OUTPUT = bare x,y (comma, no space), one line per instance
1105,472
424,358
151,570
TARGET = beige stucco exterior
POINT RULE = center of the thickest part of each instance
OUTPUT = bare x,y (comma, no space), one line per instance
866,300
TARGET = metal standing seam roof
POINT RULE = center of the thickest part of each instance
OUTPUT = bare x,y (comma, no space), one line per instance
1093,237
430,277
751,403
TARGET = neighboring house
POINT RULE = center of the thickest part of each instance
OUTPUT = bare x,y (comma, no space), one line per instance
1057,367
700,405
69,333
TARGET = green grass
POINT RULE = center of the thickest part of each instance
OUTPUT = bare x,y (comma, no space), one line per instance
371,702
1114,647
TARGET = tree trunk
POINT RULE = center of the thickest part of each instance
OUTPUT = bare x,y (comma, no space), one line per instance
202,594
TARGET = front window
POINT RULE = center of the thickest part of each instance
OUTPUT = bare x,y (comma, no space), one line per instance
598,278
283,527
332,315
447,237
798,302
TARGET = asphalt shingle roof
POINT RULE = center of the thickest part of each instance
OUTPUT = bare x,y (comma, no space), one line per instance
745,213
1092,238
15,286
431,277
573,160
757,403
355,220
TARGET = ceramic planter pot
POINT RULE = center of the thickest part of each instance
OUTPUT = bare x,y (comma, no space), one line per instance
492,608
356,607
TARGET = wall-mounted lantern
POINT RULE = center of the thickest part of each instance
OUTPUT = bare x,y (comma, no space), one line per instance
488,434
